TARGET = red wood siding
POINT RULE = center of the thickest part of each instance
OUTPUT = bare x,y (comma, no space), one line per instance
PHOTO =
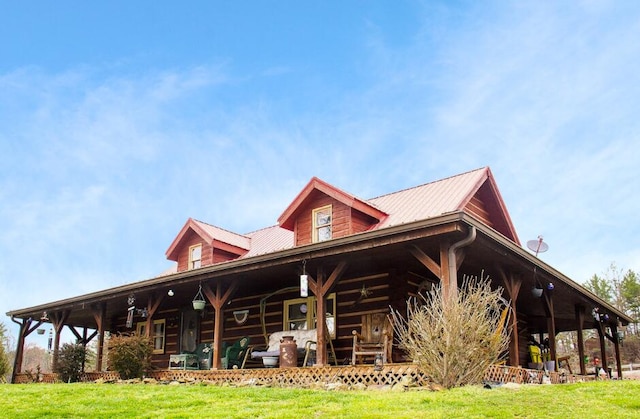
361,222
344,220
191,239
477,208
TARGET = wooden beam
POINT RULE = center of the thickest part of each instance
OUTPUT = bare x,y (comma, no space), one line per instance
335,275
580,320
75,333
152,305
428,263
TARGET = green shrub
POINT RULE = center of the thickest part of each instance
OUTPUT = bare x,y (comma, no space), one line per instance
130,355
71,358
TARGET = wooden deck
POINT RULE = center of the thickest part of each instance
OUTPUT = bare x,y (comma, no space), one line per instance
351,376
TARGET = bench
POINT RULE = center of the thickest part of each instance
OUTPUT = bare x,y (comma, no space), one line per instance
305,341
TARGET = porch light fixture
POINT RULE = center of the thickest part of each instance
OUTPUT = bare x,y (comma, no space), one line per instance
198,301
378,363
170,293
44,317
304,281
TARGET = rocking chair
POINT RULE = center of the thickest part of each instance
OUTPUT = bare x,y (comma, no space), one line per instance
375,339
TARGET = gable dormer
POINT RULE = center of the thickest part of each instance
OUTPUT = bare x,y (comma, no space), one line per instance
322,212
200,244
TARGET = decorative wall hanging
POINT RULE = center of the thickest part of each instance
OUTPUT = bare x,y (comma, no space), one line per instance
241,316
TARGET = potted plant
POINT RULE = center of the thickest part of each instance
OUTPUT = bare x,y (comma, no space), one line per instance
199,301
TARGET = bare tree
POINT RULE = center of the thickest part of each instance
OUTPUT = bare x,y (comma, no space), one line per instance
454,339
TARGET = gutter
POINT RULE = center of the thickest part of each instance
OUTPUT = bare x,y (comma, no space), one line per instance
453,265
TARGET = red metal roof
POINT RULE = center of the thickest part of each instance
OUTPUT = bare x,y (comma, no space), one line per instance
429,200
418,203
270,239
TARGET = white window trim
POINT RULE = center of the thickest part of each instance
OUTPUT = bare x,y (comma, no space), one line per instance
317,227
140,329
193,261
311,312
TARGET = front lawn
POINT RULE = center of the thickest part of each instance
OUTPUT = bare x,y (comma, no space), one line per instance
610,399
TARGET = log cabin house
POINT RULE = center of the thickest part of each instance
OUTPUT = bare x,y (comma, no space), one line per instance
361,257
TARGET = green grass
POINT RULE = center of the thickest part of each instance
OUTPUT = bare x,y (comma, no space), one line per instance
613,399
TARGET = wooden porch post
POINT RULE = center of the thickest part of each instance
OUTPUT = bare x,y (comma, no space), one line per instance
512,285
25,330
449,289
451,257
58,319
320,288
551,326
99,315
580,320
616,347
218,300
603,351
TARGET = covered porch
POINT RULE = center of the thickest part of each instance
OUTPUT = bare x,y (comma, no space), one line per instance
348,279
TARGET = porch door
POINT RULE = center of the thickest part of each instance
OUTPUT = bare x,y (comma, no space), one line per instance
189,331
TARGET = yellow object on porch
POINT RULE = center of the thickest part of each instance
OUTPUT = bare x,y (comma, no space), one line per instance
535,354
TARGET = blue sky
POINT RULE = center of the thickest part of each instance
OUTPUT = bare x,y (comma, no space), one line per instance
118,121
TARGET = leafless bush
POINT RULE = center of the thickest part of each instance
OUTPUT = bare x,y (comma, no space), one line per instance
454,339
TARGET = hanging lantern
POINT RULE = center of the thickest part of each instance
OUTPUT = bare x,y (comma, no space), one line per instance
304,281
199,301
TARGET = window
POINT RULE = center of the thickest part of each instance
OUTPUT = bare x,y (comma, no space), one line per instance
299,313
322,224
195,256
156,335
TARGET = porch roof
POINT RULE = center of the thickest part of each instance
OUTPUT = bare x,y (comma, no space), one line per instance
381,244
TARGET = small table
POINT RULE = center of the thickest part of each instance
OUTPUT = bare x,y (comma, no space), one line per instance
183,362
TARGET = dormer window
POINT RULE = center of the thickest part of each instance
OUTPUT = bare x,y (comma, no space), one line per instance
322,224
195,256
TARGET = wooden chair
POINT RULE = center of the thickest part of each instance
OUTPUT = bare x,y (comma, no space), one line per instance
375,338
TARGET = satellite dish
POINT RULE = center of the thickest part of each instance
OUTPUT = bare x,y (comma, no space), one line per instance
537,246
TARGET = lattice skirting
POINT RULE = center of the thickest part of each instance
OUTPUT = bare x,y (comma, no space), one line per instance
390,375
